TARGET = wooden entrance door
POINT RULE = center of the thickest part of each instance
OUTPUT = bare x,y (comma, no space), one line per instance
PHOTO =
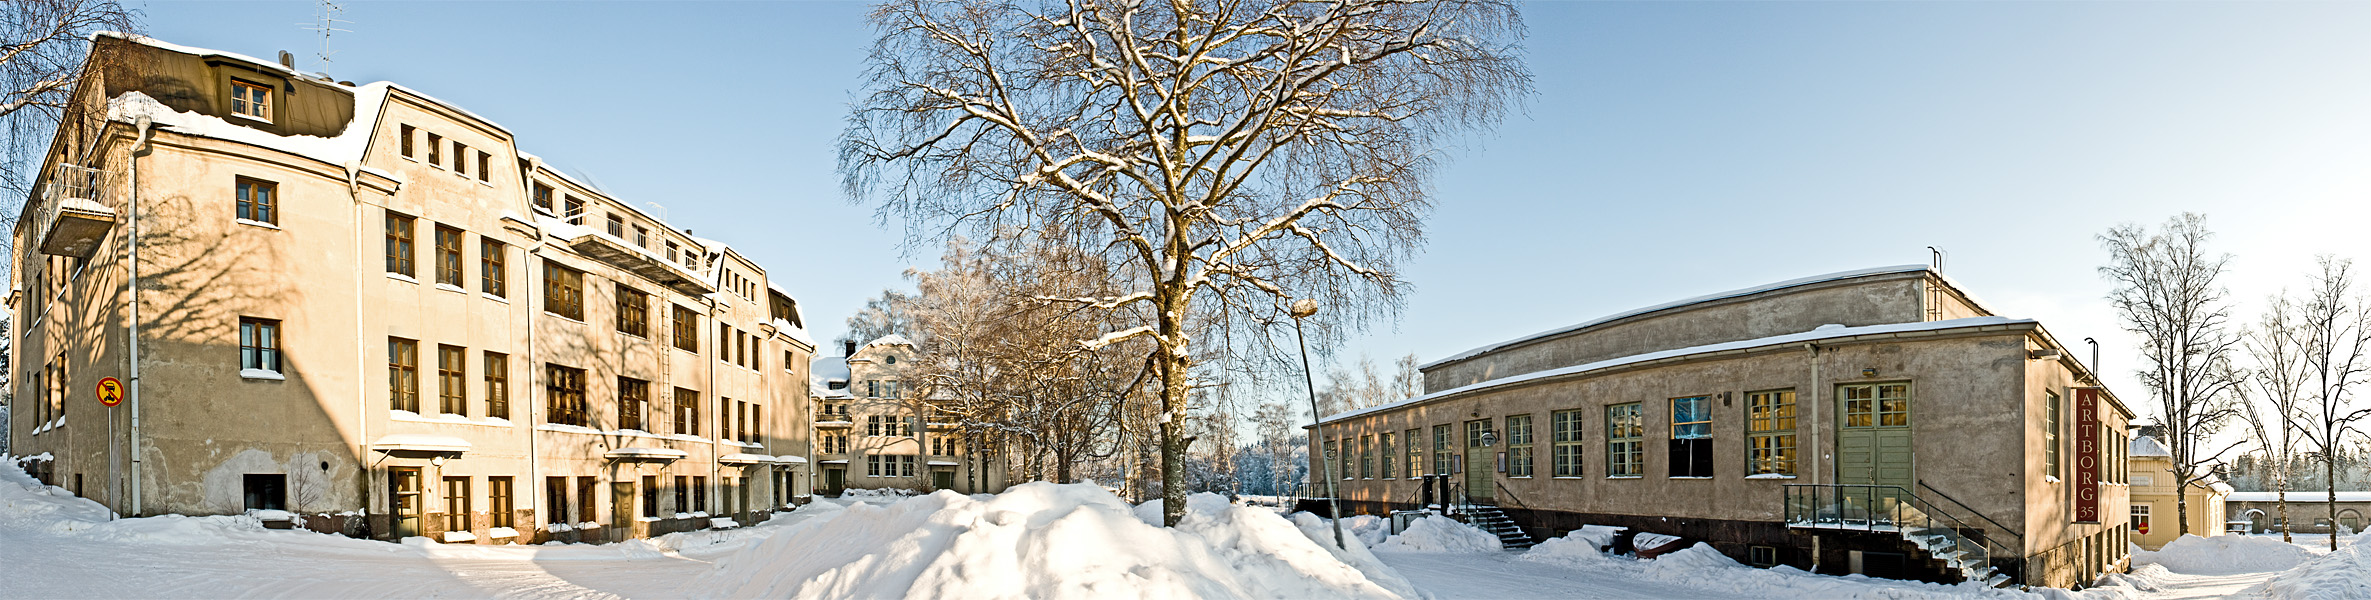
621,511
1481,464
834,480
1873,443
403,501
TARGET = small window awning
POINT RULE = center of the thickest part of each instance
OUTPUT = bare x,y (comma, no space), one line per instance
944,463
834,462
739,458
414,442
639,453
791,460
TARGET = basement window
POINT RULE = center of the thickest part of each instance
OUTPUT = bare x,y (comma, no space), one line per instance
265,491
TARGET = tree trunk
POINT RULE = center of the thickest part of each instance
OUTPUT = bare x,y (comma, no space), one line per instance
2181,504
2280,491
2330,472
1173,440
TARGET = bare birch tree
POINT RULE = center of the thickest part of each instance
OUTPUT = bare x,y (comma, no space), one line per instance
1228,156
2336,344
2168,292
2276,403
43,44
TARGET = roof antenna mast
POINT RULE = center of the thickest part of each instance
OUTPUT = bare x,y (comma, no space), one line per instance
1936,257
330,11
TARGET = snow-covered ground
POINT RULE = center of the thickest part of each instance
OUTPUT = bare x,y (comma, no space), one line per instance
1035,541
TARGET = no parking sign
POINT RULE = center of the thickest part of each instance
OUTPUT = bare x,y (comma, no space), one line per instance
110,392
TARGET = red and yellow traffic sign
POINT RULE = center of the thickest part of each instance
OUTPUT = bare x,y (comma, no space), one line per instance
110,392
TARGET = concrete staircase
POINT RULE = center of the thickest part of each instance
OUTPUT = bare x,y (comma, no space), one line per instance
1943,546
1490,519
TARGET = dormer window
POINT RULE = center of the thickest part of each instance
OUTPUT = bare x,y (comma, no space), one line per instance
252,100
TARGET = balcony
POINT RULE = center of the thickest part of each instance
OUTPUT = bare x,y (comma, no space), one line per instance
625,256
834,421
72,220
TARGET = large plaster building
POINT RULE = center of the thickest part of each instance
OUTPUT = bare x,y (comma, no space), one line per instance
2156,513
1876,421
874,429
359,300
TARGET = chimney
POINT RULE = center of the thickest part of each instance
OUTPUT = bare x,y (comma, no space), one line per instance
848,348
287,60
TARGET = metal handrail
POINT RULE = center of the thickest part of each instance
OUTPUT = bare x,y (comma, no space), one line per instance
1963,506
1882,507
1502,488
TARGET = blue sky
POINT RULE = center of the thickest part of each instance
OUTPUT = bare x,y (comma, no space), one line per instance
1673,149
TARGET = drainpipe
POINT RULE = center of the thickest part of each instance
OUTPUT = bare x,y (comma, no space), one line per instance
361,364
716,420
132,290
1811,414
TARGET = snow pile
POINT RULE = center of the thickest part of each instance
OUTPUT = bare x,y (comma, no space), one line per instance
1440,534
1582,545
1042,540
2225,555
858,493
2342,574
1370,529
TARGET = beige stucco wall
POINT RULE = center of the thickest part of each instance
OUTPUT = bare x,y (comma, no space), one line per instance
320,270
972,472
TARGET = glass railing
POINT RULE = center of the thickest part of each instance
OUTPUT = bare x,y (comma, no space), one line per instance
1944,536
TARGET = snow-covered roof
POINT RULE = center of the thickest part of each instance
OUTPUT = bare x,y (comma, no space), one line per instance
743,458
889,340
1681,303
828,368
791,459
1824,332
2314,496
344,149
2143,446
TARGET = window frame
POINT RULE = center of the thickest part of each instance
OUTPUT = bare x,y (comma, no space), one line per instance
633,311
240,103
401,233
1689,453
563,291
1566,431
1625,440
259,344
633,395
493,267
2053,419
449,269
256,200
452,379
403,374
564,395
687,329
1520,443
497,366
1770,423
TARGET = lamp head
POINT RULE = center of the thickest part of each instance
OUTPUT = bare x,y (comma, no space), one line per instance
1303,308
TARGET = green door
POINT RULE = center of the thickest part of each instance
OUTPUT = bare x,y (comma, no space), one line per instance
834,479
942,479
1481,465
1873,444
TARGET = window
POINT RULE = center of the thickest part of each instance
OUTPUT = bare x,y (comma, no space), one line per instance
399,244
564,391
1565,436
617,226
448,256
1519,446
1415,454
563,291
2050,424
641,237
493,277
543,197
687,411
1440,450
888,426
403,373
683,489
436,148
1770,432
460,159
407,132
498,496
834,443
1386,453
671,251
497,385
632,395
1366,457
687,329
258,200
650,497
251,99
263,491
451,389
1624,433
1691,437
259,344
633,311
456,504
485,167
2140,518
942,446
699,493
555,498
574,209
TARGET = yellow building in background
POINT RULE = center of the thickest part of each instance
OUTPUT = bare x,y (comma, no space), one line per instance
2155,516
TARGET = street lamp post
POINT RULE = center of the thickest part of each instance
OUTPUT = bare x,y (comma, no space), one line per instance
1302,309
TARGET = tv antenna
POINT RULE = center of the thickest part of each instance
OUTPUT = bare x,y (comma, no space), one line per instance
328,23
